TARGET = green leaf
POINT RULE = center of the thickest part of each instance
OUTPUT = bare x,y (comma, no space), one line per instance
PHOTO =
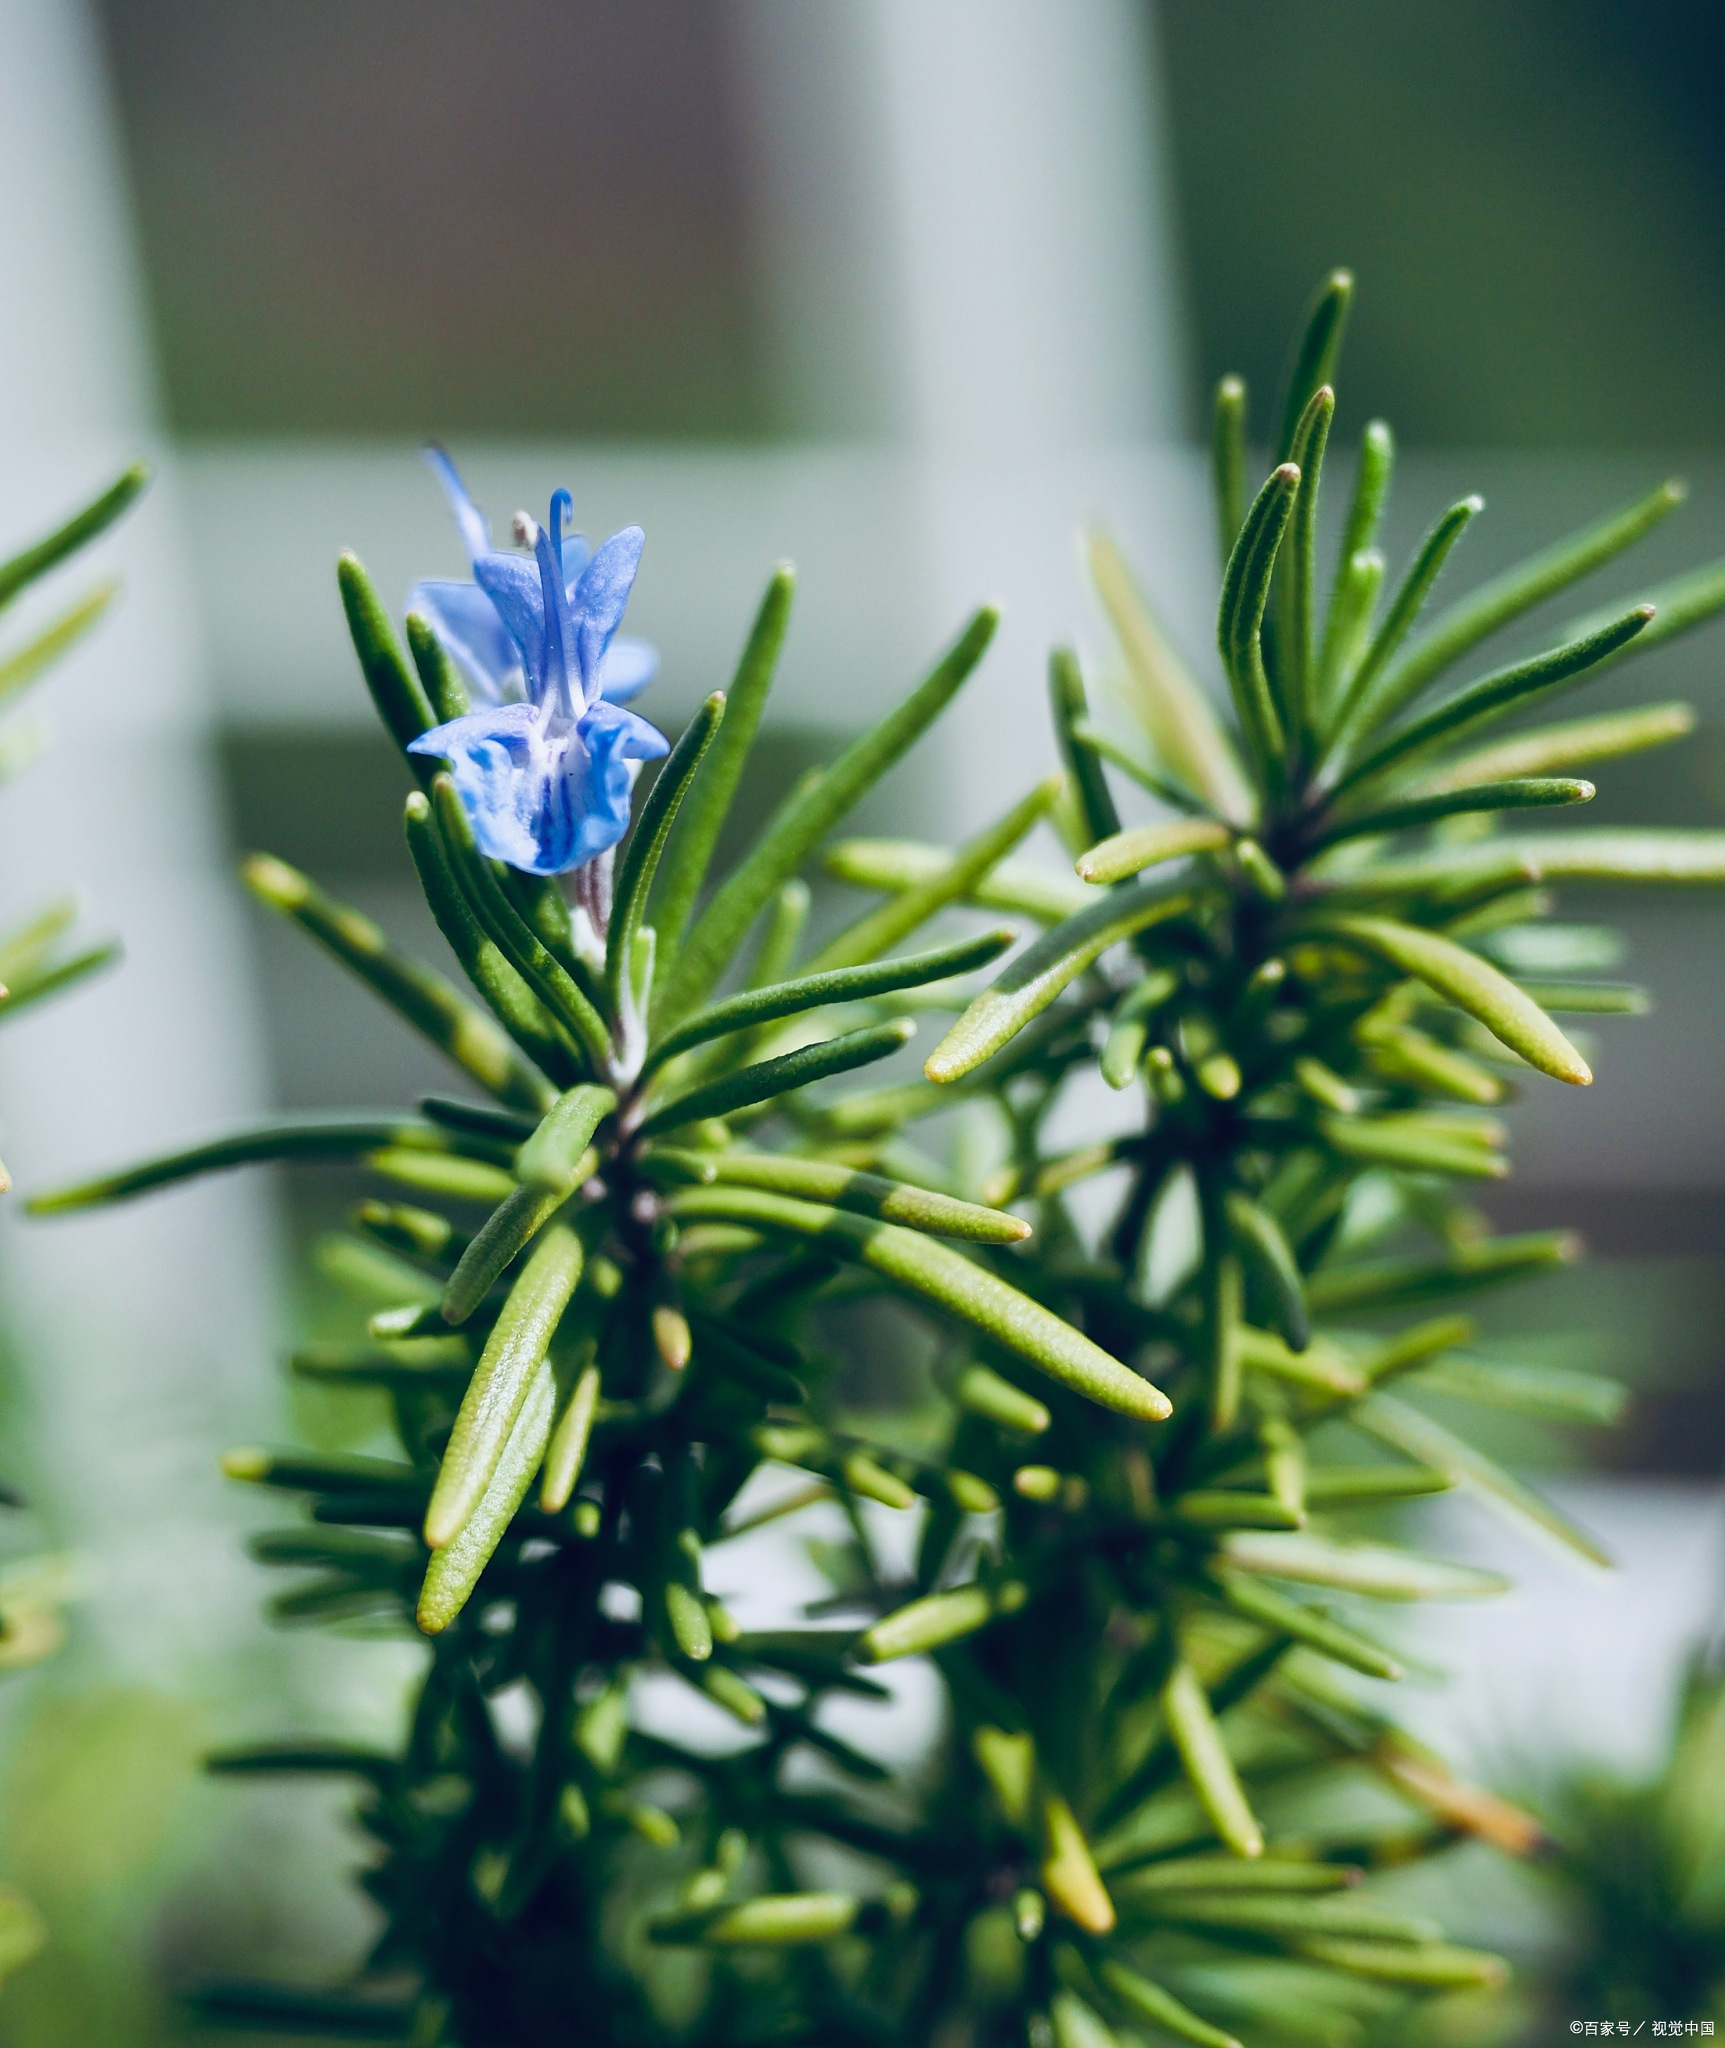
647,844
296,1759
1473,985
897,918
908,863
845,1187
1259,1236
805,819
1174,794
774,1920
474,1041
1071,711
1573,744
577,1022
276,2009
1397,1283
1414,1144
1129,1028
1032,980
1352,604
290,1138
1428,1965
936,1620
709,802
567,1450
1209,1768
1380,1570
23,951
787,919
1524,793
1323,1366
1292,1918
1129,853
395,689
444,686
442,1173
1363,705
985,1392
768,1078
550,1160
1169,702
1496,694
1494,604
1239,624
20,668
1232,1508
1417,1436
1315,354
837,985
1551,1391
510,1227
456,1566
25,567
937,1273
1371,492
1358,1486
482,960
1275,1611
1400,1054
1076,2025
1228,463
1679,606
322,1472
513,1354
1148,2001
1605,855
32,987
1231,1874
1295,654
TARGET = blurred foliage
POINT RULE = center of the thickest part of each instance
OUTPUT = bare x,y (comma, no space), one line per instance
1639,1870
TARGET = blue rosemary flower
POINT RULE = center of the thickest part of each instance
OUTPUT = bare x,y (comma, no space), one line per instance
545,765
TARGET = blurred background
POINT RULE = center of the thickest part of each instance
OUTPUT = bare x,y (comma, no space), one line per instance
905,290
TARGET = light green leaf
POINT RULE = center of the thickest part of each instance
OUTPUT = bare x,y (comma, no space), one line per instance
1473,985
937,1273
1379,1570
513,1355
765,1079
1129,853
1169,702
1032,980
1407,1430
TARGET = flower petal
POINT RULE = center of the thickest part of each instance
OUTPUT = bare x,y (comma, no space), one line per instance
468,516
576,555
466,621
513,585
491,754
624,732
628,667
600,598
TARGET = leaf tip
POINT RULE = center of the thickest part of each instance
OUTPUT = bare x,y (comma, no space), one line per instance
272,879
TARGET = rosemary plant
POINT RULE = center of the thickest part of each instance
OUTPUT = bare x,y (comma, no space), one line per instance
35,963
600,1298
